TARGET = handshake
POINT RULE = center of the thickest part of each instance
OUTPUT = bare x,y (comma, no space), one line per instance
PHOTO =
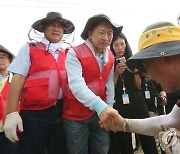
111,120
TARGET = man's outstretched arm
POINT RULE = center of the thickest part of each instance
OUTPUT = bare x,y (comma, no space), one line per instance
149,126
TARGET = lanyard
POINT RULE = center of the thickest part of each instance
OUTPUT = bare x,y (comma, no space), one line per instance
146,86
122,79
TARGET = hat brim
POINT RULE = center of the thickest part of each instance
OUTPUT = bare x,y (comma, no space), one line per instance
94,21
4,50
67,24
159,50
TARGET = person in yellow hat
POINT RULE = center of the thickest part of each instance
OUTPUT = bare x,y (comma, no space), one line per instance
159,56
39,75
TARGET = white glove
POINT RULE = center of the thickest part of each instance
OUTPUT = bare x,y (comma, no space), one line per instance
169,140
176,147
13,123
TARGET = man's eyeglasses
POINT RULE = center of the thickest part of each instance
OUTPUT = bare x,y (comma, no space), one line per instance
55,25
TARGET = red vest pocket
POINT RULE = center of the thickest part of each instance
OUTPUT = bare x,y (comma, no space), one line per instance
35,91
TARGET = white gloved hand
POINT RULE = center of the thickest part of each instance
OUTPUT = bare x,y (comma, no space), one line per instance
176,147
13,123
169,140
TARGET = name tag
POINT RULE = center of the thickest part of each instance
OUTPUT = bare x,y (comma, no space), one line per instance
147,94
125,98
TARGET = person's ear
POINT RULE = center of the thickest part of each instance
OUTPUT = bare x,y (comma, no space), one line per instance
90,35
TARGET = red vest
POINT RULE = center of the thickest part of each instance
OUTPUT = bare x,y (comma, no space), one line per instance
44,79
3,100
96,81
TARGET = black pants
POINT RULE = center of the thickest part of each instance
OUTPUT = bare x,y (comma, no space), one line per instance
6,146
137,108
120,143
42,130
54,147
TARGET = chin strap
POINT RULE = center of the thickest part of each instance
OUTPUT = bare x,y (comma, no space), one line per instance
169,139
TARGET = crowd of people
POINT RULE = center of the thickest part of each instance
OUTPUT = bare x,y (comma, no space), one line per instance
90,98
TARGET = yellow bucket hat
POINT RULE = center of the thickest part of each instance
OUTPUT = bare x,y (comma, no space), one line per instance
161,39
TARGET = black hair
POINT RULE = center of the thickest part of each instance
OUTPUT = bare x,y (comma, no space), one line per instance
128,51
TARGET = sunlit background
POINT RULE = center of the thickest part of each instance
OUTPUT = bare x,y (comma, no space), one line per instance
17,16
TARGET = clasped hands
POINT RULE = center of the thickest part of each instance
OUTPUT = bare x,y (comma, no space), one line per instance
110,120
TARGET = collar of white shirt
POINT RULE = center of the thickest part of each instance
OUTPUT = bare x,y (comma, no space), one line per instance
52,47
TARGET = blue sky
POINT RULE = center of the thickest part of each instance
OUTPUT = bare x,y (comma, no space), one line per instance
17,16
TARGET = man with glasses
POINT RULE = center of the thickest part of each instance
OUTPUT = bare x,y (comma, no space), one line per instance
38,81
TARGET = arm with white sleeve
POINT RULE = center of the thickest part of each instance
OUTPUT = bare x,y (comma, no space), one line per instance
152,126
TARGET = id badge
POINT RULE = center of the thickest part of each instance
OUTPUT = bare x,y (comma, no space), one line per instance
125,98
147,94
